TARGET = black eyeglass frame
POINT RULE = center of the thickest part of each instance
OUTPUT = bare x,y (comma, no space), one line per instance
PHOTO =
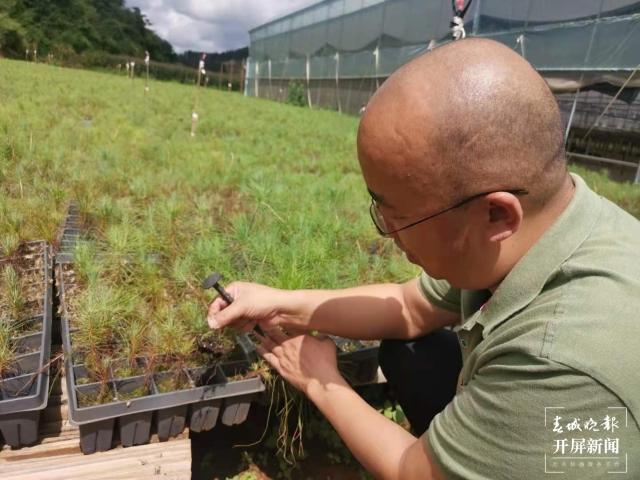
373,208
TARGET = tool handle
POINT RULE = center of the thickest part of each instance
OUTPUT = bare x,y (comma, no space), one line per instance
224,294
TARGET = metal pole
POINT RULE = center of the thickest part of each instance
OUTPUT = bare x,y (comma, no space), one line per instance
570,122
376,54
270,85
476,18
338,81
611,161
244,84
257,79
308,81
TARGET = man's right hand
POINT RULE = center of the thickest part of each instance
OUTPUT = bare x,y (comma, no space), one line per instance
253,305
370,312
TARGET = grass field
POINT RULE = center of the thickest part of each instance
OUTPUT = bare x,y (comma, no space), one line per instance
265,192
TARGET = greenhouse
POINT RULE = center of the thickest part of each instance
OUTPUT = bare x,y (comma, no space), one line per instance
338,52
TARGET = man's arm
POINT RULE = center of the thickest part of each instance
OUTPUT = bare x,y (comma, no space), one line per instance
367,312
383,447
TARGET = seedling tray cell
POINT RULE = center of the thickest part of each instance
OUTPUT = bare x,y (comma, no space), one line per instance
204,415
170,422
69,235
24,388
358,361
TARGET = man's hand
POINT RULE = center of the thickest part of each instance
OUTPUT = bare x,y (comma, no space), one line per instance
369,312
253,304
302,360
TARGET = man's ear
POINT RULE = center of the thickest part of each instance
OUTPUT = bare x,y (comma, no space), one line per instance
505,215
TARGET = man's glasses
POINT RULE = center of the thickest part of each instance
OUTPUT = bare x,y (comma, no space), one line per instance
383,229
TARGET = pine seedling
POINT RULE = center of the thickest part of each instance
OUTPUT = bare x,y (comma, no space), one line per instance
133,340
12,292
170,337
119,237
7,348
9,243
99,367
97,312
86,264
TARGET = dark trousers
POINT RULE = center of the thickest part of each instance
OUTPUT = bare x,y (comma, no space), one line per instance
423,374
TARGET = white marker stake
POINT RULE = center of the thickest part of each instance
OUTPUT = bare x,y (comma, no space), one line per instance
194,123
201,72
147,61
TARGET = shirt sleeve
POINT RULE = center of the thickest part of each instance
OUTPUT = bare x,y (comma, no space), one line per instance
500,426
440,293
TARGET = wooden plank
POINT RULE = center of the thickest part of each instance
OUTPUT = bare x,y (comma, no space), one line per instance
158,460
61,443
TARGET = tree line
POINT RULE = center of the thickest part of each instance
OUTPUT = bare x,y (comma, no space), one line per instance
68,28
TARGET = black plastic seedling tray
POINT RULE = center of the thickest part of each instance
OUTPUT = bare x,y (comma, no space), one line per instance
211,396
23,396
357,361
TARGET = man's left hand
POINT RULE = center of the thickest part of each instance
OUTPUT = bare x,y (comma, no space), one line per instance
301,359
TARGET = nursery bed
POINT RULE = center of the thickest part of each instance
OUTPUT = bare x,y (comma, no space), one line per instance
140,404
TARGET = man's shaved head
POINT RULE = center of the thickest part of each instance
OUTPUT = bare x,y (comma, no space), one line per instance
467,117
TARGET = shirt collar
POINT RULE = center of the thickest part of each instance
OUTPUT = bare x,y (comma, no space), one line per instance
529,276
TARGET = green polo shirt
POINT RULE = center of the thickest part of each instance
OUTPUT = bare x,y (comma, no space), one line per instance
550,383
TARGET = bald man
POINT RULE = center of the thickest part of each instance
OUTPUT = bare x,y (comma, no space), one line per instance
539,278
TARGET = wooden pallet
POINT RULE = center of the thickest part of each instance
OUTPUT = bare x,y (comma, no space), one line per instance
58,455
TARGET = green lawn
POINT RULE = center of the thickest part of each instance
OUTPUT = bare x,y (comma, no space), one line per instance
265,191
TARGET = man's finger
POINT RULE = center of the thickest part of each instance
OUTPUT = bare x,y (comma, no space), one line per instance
247,325
220,317
294,332
269,357
217,304
277,335
265,342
